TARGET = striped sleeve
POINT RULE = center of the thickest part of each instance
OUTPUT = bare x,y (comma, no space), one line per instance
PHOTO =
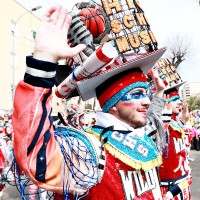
166,115
40,73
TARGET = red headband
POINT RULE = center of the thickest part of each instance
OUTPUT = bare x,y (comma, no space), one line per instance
120,84
174,93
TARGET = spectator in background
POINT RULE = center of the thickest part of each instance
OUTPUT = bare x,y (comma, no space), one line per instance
198,114
2,165
71,112
6,156
195,139
196,119
198,130
188,137
175,173
191,119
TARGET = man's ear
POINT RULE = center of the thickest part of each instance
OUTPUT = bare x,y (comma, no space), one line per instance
113,110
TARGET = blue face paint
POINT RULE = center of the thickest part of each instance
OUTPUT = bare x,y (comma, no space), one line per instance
133,96
174,99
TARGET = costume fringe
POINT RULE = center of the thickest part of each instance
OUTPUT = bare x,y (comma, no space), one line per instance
93,133
179,129
133,163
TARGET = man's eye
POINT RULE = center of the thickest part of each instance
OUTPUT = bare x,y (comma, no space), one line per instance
132,96
136,94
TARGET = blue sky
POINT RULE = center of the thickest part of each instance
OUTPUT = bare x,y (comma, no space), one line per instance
168,19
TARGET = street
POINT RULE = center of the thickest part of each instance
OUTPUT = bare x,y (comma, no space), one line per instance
11,193
195,165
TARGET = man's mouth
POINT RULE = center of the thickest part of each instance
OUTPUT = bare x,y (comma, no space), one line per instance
143,111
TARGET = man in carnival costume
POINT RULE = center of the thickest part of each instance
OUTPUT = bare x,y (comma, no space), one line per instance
175,172
119,160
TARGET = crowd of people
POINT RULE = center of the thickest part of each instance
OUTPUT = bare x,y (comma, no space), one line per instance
6,150
137,147
78,119
194,123
7,172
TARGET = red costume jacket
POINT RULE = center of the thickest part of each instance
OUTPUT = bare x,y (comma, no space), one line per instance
121,181
175,167
47,158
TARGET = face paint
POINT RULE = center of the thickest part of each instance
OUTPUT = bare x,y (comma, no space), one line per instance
133,96
174,99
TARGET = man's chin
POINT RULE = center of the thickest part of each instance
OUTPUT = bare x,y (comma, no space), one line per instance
176,113
141,123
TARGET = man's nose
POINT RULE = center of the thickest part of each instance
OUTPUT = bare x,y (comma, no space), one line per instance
146,101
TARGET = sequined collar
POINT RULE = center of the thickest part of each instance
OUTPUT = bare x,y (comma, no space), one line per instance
135,149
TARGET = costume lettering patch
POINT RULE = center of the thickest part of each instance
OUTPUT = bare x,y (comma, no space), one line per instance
139,148
130,142
136,183
179,144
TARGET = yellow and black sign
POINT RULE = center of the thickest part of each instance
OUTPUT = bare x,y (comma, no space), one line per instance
129,26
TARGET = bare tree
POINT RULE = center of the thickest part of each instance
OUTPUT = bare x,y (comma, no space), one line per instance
179,49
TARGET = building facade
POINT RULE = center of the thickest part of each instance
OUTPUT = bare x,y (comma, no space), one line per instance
190,89
18,26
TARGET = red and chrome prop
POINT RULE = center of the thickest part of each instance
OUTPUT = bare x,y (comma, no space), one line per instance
97,60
